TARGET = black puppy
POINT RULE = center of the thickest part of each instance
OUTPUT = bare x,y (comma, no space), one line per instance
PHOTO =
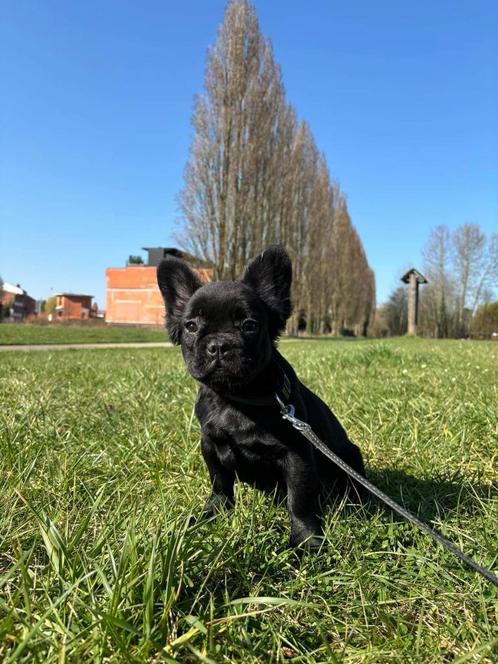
228,332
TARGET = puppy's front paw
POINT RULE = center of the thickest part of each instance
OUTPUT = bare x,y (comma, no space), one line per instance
216,503
307,542
314,543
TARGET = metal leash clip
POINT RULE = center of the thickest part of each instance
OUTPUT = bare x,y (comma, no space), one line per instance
287,411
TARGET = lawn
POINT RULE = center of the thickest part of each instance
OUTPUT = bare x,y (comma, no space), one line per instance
101,470
20,333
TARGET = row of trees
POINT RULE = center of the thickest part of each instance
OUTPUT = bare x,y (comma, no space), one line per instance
256,177
462,271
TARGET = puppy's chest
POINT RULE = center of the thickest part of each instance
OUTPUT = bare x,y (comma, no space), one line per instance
240,440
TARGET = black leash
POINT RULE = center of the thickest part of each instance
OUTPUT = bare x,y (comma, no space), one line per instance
287,412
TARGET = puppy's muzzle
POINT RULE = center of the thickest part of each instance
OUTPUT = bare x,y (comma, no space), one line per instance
218,348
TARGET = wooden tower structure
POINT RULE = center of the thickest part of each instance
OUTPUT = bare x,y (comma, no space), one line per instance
413,278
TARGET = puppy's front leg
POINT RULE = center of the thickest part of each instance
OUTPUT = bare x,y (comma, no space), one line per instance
222,480
302,502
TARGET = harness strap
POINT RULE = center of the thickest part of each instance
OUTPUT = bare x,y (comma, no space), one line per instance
287,412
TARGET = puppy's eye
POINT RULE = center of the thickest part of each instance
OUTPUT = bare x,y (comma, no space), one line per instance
191,326
249,325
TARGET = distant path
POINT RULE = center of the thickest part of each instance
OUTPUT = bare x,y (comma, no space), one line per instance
135,344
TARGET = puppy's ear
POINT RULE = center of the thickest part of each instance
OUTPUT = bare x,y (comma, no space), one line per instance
177,284
270,275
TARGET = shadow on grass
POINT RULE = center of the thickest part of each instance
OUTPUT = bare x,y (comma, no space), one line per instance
246,566
431,497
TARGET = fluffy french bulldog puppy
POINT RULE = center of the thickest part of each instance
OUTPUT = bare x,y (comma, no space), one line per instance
228,332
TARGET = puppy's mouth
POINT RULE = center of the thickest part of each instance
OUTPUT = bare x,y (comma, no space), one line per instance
222,373
227,367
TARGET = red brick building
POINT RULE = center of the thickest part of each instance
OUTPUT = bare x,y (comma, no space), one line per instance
72,306
15,303
132,294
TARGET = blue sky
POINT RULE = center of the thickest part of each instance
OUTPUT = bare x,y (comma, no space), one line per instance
402,97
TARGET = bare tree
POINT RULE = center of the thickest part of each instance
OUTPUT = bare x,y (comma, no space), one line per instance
475,266
236,122
353,299
396,312
437,299
462,269
255,177
469,245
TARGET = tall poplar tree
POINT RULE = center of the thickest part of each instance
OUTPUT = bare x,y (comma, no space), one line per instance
231,168
256,177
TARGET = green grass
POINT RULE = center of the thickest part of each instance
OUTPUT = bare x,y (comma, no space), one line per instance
101,469
20,333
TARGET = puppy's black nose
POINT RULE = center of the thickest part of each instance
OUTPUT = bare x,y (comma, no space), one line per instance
212,348
217,347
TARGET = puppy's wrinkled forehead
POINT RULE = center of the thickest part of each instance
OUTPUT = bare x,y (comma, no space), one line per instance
222,300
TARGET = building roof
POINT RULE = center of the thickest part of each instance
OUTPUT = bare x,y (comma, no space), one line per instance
420,277
72,295
195,261
10,288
